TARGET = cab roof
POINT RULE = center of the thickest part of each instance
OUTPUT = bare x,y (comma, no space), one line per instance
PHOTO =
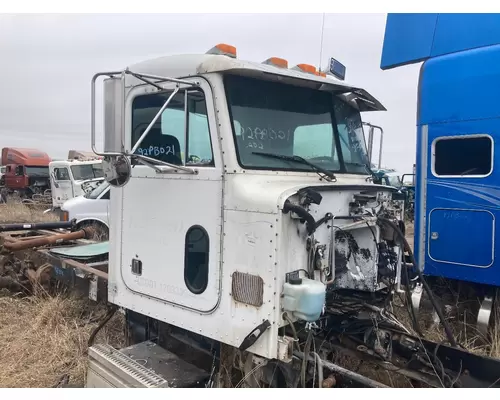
188,65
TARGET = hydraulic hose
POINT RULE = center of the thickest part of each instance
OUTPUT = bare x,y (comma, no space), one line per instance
111,311
301,212
294,331
319,364
307,348
446,326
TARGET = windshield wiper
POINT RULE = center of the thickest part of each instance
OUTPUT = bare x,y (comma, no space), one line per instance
300,160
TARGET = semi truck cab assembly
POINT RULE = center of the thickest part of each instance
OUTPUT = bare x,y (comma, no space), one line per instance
245,234
248,244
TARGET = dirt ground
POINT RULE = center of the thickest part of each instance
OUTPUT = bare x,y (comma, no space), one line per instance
43,339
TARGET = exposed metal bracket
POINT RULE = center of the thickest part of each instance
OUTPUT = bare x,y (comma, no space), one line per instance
143,77
146,78
416,297
483,316
151,162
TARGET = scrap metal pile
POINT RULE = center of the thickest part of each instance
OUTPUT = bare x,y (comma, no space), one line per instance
32,255
42,200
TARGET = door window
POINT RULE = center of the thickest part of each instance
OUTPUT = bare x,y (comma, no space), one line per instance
61,174
166,141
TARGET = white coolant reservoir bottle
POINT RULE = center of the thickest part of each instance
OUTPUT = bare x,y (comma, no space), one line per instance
304,298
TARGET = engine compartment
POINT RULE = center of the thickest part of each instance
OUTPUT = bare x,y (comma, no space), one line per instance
347,237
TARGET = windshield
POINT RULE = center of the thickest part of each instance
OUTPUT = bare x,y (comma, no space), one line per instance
270,117
87,171
94,194
394,180
37,171
2,170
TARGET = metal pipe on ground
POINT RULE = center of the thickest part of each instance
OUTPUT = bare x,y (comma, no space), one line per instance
345,372
39,225
48,240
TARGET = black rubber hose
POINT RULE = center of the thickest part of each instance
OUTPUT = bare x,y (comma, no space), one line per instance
446,326
109,315
301,212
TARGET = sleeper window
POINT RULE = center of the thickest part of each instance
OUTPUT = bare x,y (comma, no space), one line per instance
463,156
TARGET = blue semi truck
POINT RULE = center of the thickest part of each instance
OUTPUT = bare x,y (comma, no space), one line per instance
457,201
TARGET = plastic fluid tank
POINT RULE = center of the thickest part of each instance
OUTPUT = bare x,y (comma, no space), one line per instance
304,298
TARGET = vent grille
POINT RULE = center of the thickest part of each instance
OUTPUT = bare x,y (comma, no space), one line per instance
248,289
142,375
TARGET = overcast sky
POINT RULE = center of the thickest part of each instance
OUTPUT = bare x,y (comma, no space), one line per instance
47,62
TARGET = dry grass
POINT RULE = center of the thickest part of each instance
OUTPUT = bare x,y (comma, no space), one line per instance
465,332
14,212
44,339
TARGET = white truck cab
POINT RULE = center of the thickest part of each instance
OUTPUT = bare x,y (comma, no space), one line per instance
240,196
89,209
73,178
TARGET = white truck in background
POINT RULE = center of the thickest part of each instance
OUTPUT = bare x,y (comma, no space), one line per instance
90,209
74,177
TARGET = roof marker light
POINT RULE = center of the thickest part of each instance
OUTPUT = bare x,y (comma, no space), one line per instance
224,50
277,62
307,68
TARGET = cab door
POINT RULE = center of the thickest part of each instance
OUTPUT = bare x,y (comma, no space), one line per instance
61,185
172,221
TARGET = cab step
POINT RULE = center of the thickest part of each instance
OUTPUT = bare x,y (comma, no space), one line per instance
143,365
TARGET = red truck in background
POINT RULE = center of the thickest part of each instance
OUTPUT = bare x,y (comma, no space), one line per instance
26,171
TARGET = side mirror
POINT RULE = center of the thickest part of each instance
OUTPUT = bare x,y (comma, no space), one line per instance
113,115
117,170
113,98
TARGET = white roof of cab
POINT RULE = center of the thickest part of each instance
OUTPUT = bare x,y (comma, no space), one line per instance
183,66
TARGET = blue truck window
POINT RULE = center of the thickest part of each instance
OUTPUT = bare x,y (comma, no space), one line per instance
463,156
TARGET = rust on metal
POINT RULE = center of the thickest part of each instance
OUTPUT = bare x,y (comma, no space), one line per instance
26,264
47,240
85,268
330,382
